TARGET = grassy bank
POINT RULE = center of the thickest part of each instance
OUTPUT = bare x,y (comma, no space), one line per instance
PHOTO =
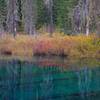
58,45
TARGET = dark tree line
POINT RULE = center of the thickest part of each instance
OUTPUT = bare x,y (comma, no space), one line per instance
68,16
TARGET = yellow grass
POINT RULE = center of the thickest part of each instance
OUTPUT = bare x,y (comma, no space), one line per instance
58,45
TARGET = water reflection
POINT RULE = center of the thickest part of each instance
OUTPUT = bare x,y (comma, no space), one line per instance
47,80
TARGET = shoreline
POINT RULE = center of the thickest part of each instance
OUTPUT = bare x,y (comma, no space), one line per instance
61,46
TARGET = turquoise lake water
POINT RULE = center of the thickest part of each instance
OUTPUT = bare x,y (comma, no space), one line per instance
49,79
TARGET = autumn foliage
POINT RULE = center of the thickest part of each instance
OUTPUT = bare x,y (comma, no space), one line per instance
58,45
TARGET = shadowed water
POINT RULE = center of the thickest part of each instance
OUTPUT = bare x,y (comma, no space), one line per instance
49,79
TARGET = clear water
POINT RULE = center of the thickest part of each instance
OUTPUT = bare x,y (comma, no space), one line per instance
44,79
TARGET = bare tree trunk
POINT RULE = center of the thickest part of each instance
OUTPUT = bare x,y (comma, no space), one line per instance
49,9
87,26
87,17
97,15
29,16
12,16
51,18
81,17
